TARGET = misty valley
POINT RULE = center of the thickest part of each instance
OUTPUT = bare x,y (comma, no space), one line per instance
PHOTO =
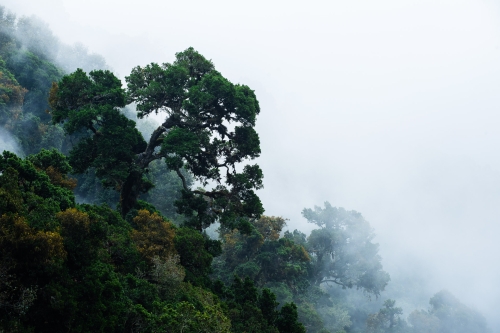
113,221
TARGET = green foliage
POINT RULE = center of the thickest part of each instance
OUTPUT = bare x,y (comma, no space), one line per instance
79,97
254,311
200,104
88,260
67,267
27,75
83,268
36,192
11,96
91,103
294,266
287,320
196,257
263,255
36,75
31,58
274,262
50,158
31,124
196,310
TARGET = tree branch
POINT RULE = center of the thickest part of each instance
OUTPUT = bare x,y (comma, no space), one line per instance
148,155
181,176
334,281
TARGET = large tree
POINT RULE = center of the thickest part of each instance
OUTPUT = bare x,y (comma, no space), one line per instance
208,130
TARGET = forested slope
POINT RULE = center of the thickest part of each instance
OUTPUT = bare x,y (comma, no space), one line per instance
104,217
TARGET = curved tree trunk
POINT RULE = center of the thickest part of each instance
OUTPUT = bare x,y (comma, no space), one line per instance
134,184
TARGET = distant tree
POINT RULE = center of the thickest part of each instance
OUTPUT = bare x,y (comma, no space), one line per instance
447,315
200,105
263,255
11,97
7,27
424,322
29,51
25,113
36,36
276,262
342,251
387,320
70,58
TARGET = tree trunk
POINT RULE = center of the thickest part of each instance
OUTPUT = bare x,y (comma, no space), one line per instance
130,192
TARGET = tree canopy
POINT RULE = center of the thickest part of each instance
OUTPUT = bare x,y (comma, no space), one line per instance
208,131
342,249
71,260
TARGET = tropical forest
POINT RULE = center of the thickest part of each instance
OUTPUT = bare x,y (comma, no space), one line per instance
112,221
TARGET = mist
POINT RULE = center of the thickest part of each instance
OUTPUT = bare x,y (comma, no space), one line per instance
386,108
8,143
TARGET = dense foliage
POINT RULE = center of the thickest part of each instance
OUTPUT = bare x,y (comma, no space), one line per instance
82,268
103,230
200,105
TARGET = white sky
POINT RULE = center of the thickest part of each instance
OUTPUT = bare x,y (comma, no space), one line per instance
386,107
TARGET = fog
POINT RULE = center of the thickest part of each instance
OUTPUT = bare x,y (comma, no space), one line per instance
8,142
386,107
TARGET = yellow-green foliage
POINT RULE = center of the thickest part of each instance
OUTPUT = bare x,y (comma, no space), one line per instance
154,236
74,221
27,244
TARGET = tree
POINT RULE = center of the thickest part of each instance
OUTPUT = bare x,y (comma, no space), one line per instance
447,314
387,320
251,311
82,267
424,322
342,250
208,131
288,320
196,255
11,96
274,262
153,236
262,255
26,189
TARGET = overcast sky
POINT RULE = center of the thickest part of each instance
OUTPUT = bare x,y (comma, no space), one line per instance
386,107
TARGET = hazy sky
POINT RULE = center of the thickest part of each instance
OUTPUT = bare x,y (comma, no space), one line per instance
389,108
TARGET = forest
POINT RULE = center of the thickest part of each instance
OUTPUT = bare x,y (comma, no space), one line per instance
112,222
